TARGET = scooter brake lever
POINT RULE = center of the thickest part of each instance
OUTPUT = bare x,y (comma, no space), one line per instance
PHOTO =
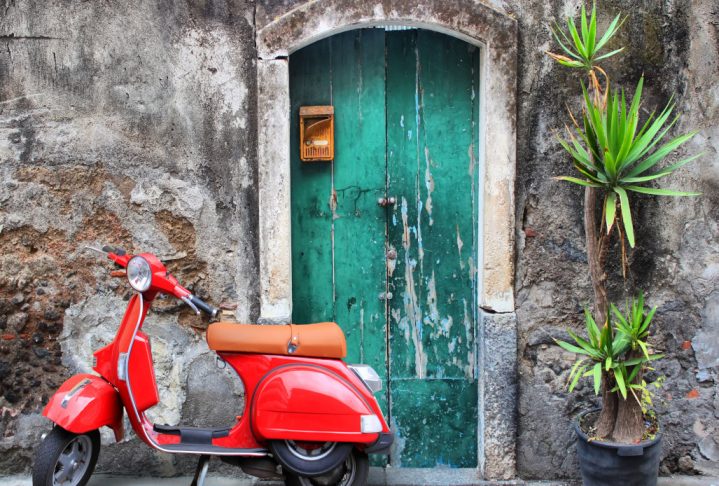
98,250
187,301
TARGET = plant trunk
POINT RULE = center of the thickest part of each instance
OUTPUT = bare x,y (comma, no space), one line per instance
608,416
597,246
629,427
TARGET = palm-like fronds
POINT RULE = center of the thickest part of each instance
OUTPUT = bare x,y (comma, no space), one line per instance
580,44
610,349
611,151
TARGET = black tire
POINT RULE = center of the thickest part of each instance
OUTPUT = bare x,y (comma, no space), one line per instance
353,472
323,458
48,466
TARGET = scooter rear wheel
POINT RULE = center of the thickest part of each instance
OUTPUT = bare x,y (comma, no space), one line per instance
66,459
310,458
353,472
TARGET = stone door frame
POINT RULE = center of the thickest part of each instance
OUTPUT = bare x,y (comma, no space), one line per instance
495,33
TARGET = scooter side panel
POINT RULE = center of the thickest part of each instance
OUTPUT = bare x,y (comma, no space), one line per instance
84,403
310,403
142,374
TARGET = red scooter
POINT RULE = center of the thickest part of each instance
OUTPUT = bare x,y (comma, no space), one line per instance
309,418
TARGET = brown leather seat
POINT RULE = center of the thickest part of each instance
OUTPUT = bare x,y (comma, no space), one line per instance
323,340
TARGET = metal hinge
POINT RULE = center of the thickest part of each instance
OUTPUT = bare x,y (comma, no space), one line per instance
386,201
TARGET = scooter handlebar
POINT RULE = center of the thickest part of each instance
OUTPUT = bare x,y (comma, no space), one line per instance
162,280
114,249
204,306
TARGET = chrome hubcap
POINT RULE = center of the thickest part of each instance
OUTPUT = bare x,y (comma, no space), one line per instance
308,453
73,462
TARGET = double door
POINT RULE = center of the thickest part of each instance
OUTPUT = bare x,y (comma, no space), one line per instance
384,238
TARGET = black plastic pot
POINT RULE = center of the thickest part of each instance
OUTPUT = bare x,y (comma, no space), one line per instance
611,463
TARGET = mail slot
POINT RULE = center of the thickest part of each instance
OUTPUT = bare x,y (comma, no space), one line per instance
317,133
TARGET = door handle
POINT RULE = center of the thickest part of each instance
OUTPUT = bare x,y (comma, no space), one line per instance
385,296
386,201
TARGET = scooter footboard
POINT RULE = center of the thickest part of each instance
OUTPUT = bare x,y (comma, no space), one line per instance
311,403
84,403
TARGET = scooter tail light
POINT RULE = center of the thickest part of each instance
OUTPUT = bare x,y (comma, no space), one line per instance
370,424
368,375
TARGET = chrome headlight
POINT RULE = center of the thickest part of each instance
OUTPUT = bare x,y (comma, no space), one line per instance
139,273
368,375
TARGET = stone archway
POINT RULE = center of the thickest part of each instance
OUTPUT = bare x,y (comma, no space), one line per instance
496,34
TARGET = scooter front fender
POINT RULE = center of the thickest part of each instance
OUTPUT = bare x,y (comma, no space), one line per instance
84,403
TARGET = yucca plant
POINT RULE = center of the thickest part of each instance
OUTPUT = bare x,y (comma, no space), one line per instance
615,155
620,351
581,44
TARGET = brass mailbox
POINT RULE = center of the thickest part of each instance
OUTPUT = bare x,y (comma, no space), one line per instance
317,133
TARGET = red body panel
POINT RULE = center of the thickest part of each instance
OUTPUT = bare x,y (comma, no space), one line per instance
84,403
286,408
309,399
142,374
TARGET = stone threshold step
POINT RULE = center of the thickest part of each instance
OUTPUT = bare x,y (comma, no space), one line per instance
378,477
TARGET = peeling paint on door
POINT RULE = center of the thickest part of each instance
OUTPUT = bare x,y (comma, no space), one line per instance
430,83
406,113
429,184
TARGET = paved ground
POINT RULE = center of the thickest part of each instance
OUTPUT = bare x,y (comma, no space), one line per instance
376,479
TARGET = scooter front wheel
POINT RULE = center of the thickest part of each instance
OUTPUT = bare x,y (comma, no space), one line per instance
310,458
66,459
353,472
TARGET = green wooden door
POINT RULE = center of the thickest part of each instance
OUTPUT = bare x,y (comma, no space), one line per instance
400,279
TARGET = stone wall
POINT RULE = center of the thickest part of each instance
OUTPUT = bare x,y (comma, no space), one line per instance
134,124
124,123
676,260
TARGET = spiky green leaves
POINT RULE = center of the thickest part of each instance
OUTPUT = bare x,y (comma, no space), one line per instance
580,45
610,150
611,348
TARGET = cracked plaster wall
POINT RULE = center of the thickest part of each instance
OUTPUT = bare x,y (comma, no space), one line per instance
674,43
128,124
135,124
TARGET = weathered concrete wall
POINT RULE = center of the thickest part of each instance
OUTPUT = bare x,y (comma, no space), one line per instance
677,254
126,123
135,124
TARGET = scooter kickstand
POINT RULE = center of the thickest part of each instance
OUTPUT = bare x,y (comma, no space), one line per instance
201,471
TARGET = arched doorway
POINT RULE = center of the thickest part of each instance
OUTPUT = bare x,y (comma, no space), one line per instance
495,33
384,236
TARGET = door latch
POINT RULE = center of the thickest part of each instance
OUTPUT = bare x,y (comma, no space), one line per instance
386,201
385,296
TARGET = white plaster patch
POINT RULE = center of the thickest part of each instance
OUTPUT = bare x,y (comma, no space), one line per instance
378,11
189,199
209,59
